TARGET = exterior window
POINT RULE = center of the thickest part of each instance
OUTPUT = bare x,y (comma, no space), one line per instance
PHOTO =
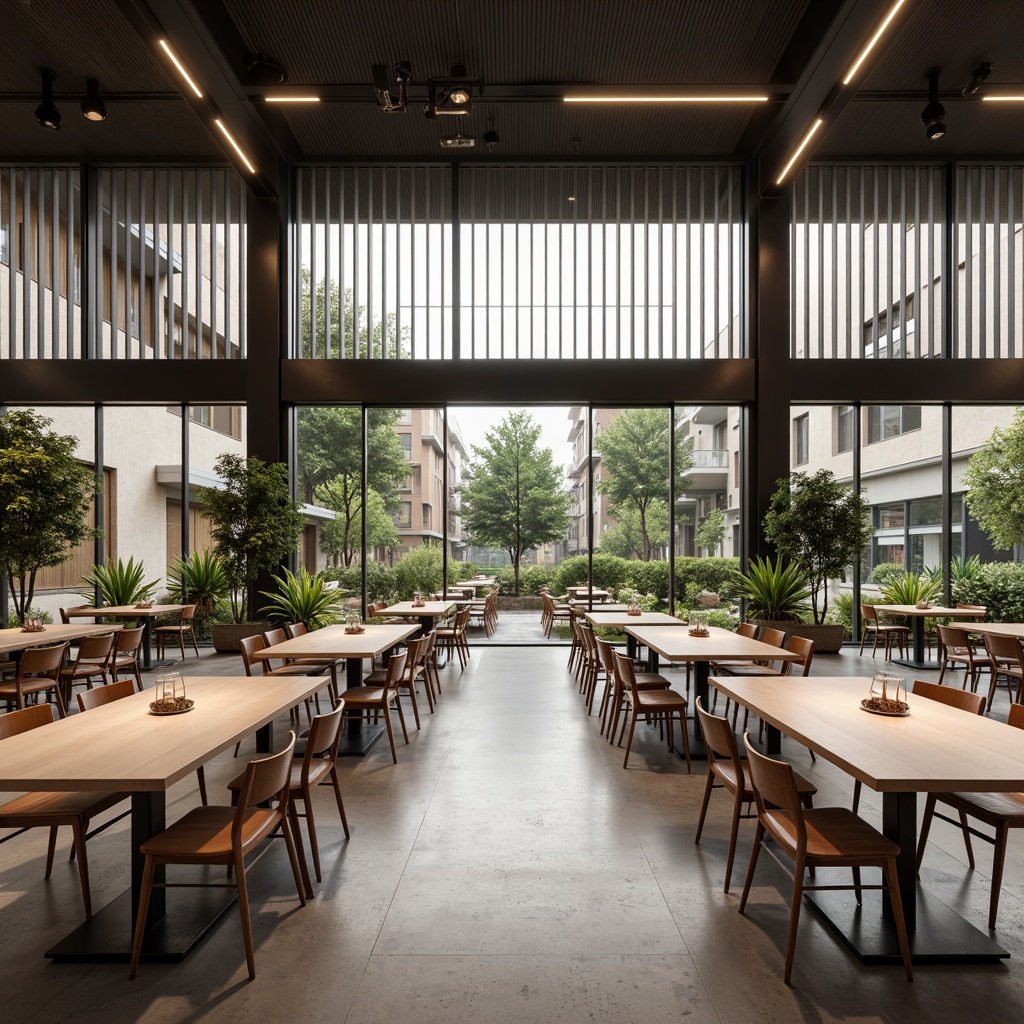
842,416
801,440
406,440
892,517
405,416
403,518
885,421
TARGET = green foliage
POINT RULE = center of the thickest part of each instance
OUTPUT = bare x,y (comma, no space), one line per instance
648,602
711,532
531,578
45,497
419,569
121,584
773,590
712,574
30,613
626,539
965,569
841,611
910,588
649,578
609,571
691,595
722,619
819,524
341,538
255,522
302,598
885,571
199,580
999,586
513,497
995,485
933,573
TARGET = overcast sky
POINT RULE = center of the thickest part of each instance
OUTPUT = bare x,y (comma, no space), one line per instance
475,420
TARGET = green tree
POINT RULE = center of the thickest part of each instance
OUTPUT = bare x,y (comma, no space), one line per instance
821,525
711,532
635,456
995,484
513,498
255,522
45,497
341,537
626,538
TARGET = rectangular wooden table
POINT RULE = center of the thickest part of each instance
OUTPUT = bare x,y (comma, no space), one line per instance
616,619
674,644
121,747
998,628
332,642
899,758
127,611
917,617
425,613
13,641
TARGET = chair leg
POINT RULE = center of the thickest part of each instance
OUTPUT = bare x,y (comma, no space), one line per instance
751,865
965,829
341,805
314,848
293,824
926,824
192,636
140,920
297,858
401,718
243,913
78,838
201,775
709,785
998,856
415,705
893,882
51,847
794,918
734,830
391,738
683,735
629,742
856,796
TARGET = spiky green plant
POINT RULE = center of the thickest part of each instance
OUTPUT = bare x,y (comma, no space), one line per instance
201,579
910,588
301,597
773,590
965,570
121,584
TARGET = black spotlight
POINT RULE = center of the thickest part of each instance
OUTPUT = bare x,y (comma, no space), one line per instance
491,138
93,107
934,114
46,113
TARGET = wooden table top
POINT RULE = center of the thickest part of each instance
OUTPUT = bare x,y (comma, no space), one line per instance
935,612
583,608
123,611
122,747
999,628
334,642
584,591
676,644
613,617
17,640
434,609
477,583
934,749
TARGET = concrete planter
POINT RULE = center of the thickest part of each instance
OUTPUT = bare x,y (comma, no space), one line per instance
228,636
827,639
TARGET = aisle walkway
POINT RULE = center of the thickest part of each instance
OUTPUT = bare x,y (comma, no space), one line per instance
508,870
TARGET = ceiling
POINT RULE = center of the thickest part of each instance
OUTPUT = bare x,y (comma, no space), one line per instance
524,57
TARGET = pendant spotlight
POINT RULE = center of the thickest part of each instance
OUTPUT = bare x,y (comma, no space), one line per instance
93,107
46,113
934,114
979,76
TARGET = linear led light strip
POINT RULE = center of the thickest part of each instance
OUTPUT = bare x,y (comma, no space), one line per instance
872,41
1006,98
181,69
693,98
799,149
234,145
291,99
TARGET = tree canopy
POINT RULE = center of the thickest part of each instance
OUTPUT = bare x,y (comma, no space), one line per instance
626,538
711,532
513,498
821,525
995,485
635,468
45,497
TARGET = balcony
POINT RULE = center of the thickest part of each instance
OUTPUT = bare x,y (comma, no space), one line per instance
710,469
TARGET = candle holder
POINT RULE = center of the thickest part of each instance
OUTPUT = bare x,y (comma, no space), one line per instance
170,696
354,625
888,696
699,624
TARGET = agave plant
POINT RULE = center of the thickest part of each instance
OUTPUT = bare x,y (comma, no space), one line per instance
773,590
301,597
964,570
910,588
201,579
121,584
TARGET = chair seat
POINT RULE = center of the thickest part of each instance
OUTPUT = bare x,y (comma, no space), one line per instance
82,671
726,771
834,834
660,700
204,834
890,627
50,805
750,670
651,681
359,695
991,808
291,670
29,685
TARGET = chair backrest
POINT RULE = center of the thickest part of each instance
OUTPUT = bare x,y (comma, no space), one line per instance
188,613
396,668
100,695
462,619
324,734
775,637
747,629
265,779
588,636
805,649
1015,716
1003,648
128,641
414,654
962,699
294,629
64,617
95,649
274,636
869,613
953,636
625,674
773,783
428,647
718,736
42,661
605,652
16,722
249,645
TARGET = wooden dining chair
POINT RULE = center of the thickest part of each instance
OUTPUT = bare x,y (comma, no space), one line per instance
453,638
406,682
890,632
663,706
612,699
52,810
380,699
1007,661
328,665
225,835
126,653
117,690
1000,811
38,672
185,626
91,662
811,838
726,770
957,649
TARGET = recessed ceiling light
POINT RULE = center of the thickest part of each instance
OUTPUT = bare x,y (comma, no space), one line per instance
181,68
818,121
237,148
872,41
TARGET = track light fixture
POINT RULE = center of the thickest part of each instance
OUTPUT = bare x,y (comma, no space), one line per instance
934,114
93,107
46,113
979,76
491,138
451,96
388,102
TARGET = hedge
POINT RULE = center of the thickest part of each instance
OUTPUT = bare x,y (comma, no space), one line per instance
999,586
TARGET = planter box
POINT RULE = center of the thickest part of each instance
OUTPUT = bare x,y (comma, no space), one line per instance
827,639
228,636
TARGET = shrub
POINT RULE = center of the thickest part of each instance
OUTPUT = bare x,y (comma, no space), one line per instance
649,578
999,586
885,571
531,578
910,588
722,619
419,569
30,613
713,574
609,571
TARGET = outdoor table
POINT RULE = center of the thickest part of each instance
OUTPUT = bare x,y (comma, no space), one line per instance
675,644
16,640
332,643
122,747
582,593
426,613
127,611
475,585
899,758
998,628
917,617
613,618
583,607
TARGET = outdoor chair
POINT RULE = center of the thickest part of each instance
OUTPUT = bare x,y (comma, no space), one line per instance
184,627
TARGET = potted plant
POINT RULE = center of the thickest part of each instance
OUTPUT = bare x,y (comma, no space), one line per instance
774,591
822,526
255,526
199,580
301,597
121,585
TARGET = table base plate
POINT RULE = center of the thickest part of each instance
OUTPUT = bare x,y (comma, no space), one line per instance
923,665
941,936
355,744
106,937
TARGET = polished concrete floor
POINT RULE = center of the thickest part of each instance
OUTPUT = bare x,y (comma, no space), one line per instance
508,869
